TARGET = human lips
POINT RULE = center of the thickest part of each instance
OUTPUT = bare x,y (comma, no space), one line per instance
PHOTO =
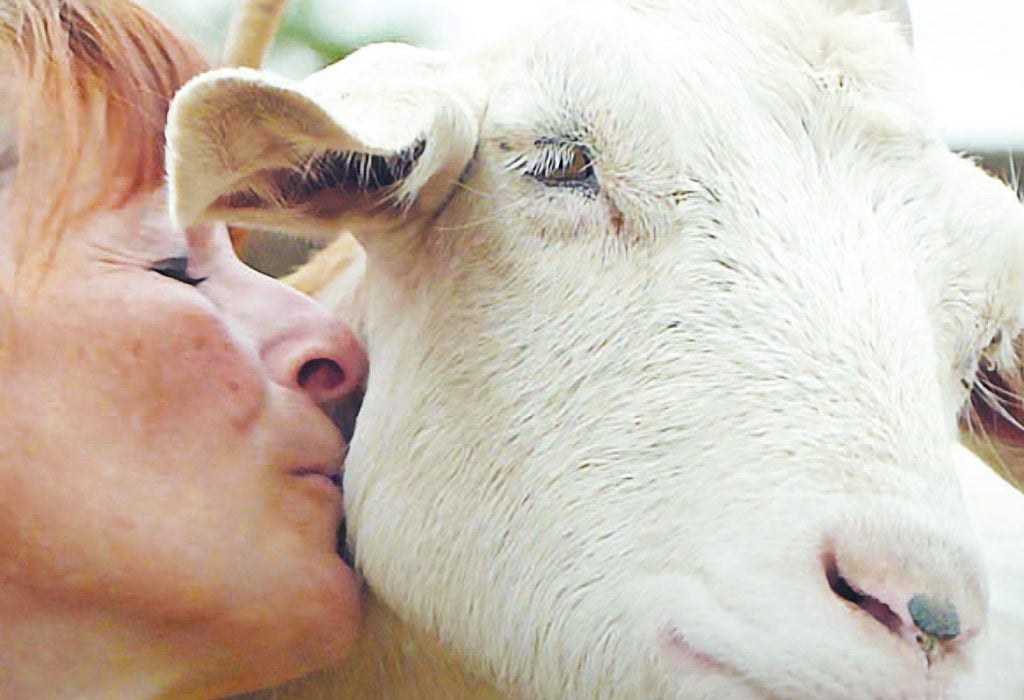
318,467
328,472
324,476
315,451
319,486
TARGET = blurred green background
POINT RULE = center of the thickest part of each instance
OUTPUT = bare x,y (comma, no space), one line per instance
314,32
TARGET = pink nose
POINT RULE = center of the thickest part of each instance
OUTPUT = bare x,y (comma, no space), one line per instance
931,596
925,620
318,355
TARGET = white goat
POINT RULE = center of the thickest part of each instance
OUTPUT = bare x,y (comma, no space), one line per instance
671,308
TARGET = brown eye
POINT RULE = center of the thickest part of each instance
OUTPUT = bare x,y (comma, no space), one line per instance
565,165
577,167
176,269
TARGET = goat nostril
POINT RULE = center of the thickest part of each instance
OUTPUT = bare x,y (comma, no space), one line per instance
869,604
321,377
936,618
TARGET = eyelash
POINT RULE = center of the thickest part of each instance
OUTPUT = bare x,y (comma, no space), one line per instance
176,269
981,360
566,165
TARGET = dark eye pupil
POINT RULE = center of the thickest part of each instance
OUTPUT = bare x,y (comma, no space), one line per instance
570,166
577,167
177,269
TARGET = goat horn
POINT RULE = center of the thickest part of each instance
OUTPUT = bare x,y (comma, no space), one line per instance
253,26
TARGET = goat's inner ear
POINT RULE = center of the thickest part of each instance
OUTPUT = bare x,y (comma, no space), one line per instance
328,184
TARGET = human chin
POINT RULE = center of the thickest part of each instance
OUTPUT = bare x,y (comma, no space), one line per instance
306,619
324,605
309,462
296,608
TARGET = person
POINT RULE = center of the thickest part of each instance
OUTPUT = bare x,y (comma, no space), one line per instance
169,493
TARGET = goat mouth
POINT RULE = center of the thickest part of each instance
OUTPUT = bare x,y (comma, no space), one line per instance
680,654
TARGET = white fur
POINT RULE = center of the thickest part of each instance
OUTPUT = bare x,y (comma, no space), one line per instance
610,438
997,512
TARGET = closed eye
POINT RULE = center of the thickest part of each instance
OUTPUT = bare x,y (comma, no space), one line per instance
177,269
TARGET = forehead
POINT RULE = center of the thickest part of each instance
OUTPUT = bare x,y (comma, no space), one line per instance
672,79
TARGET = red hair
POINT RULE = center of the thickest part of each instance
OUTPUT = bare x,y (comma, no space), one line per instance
93,81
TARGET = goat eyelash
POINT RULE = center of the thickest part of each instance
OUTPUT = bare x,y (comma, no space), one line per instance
993,382
563,164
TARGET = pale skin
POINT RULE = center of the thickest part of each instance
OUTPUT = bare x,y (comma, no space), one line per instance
169,519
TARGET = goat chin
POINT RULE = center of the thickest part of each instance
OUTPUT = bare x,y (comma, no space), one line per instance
390,662
393,662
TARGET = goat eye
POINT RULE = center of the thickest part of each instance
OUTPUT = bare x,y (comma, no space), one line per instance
576,166
568,165
176,269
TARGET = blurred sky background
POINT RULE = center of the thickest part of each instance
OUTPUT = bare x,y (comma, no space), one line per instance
970,52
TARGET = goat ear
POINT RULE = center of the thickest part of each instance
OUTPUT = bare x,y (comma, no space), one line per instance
384,134
897,10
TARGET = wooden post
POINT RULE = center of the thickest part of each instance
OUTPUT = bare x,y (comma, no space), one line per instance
253,26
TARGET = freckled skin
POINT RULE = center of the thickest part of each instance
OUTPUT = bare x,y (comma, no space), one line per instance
146,451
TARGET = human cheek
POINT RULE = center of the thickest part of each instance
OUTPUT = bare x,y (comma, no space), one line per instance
192,370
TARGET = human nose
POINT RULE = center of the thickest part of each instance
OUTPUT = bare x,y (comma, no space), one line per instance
317,354
301,344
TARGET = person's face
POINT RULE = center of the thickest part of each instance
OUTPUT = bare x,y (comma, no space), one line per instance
163,447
